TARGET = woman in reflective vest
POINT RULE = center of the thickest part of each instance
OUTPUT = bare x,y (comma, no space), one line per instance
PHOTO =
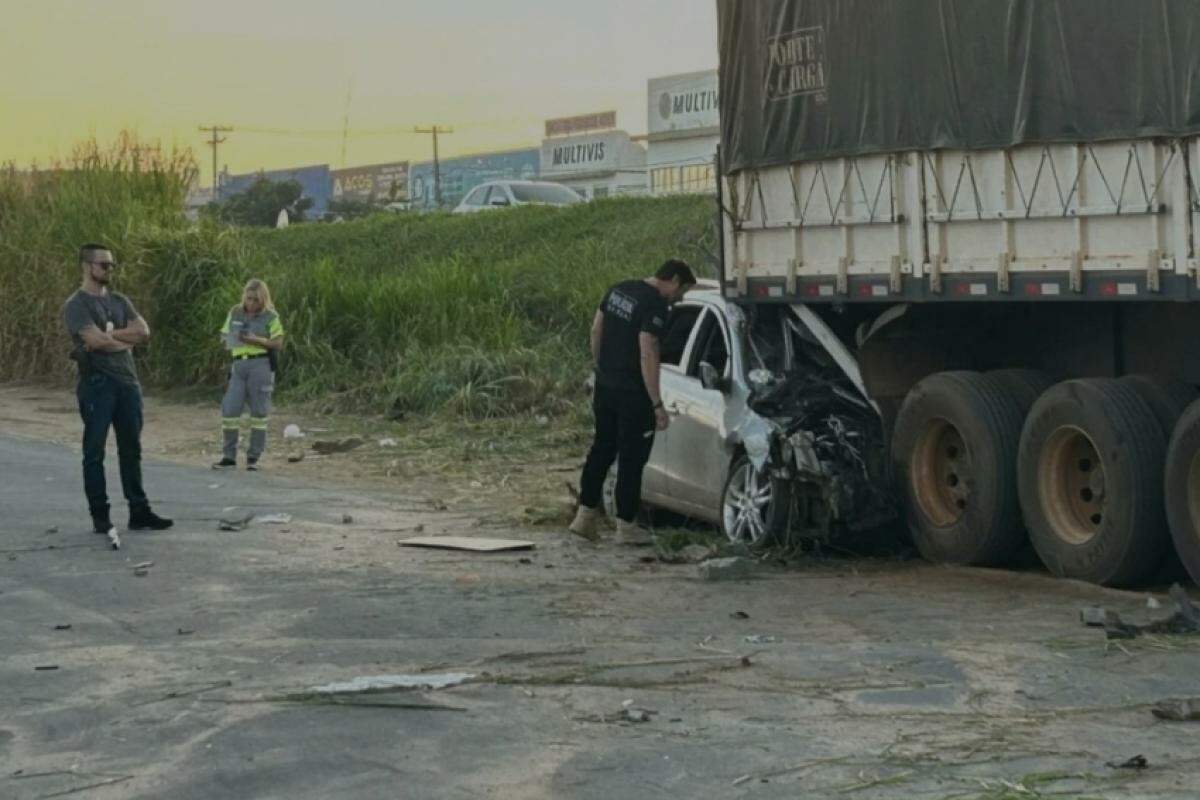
253,335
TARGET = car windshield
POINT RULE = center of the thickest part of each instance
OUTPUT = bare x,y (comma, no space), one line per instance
554,195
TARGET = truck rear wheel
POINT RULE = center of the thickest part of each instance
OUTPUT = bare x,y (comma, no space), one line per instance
1091,476
1182,489
954,454
1167,398
1024,385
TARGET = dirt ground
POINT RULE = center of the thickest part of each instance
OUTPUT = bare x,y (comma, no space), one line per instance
599,672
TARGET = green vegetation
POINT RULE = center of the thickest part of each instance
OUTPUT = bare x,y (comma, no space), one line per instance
481,315
261,203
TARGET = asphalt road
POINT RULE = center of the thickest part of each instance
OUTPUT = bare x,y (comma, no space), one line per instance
863,679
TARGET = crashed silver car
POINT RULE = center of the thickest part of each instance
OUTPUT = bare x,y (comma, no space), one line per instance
772,435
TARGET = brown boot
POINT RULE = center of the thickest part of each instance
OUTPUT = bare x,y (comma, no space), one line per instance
633,535
584,523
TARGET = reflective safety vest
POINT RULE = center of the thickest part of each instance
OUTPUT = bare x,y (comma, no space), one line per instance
265,324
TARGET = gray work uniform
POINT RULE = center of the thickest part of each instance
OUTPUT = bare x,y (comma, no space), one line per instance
251,381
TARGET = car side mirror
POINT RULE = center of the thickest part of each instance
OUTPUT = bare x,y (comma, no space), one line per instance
711,379
499,201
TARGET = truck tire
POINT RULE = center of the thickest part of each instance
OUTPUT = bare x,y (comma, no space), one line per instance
1182,489
954,453
1090,471
1024,385
1167,398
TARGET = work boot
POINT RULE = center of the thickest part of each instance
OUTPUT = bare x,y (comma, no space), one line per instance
225,463
584,523
632,534
252,464
143,519
101,522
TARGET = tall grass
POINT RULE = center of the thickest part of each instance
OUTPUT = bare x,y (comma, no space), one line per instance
113,195
481,315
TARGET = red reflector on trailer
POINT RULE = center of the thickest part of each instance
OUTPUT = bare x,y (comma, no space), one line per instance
1108,289
761,291
812,290
1033,290
865,290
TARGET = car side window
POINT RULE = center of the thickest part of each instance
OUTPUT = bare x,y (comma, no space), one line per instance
477,197
679,329
711,346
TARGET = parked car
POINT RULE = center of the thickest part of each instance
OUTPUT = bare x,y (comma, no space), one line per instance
505,194
771,430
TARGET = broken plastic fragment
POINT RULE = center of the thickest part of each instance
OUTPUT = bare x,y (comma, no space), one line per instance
377,683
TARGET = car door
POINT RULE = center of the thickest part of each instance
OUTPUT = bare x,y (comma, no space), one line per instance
673,349
696,452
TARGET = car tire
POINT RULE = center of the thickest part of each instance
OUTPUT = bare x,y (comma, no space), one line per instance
1090,468
755,505
954,451
1181,487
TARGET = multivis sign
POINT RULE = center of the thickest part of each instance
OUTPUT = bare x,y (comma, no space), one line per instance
683,102
599,152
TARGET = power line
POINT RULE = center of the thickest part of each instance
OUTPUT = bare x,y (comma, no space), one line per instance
437,166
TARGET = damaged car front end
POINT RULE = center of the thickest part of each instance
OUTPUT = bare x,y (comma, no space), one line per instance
811,430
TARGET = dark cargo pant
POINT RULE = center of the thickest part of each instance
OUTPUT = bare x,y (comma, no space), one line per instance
251,381
624,433
105,402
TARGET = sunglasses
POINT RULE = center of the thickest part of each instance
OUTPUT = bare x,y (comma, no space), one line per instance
108,265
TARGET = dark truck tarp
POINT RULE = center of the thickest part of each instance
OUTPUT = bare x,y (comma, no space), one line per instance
810,79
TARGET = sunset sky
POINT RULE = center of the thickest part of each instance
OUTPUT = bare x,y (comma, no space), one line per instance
492,69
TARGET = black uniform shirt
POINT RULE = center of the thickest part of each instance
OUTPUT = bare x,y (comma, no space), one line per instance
630,308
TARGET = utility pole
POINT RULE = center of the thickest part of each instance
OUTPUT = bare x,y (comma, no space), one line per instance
213,142
437,166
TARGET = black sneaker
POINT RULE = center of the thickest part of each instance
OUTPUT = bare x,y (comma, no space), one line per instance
146,520
102,524
225,463
252,464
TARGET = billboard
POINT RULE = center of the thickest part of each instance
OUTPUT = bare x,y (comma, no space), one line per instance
565,126
313,180
683,102
462,174
377,183
596,152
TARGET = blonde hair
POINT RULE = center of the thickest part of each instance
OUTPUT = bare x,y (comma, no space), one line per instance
259,289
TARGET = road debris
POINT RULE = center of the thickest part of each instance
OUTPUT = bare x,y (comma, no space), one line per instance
734,568
1185,621
273,519
388,441
1137,762
470,543
739,615
761,638
1187,710
347,519
296,458
66,626
52,529
234,519
144,565
741,780
328,448
184,632
45,667
384,683
292,431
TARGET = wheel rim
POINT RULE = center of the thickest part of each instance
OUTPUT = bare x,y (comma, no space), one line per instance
747,503
1193,494
942,473
608,493
1072,485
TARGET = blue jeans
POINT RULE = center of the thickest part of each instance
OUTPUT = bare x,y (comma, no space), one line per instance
105,402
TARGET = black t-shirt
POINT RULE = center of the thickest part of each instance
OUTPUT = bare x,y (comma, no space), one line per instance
109,312
630,308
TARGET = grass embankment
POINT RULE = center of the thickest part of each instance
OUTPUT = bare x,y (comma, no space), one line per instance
481,315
